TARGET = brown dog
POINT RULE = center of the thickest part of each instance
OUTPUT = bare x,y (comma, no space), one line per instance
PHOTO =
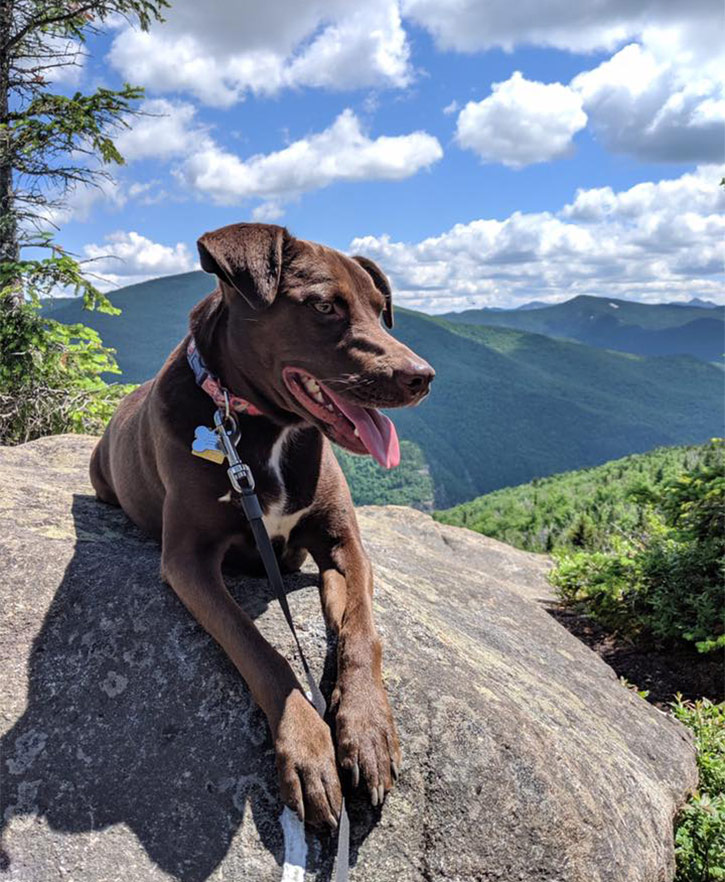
294,329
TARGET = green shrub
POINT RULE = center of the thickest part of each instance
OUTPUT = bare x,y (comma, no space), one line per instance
700,826
667,579
50,377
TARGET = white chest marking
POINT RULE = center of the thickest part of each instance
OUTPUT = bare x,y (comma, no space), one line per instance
277,521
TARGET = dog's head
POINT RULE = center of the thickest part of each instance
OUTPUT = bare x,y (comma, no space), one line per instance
304,324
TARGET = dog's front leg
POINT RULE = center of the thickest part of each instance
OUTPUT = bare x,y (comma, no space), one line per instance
367,741
303,744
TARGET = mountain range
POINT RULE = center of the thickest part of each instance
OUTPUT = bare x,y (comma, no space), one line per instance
507,405
696,329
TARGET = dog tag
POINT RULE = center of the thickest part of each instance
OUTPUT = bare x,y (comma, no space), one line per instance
207,445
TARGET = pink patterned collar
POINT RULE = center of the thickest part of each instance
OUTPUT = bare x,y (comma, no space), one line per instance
211,384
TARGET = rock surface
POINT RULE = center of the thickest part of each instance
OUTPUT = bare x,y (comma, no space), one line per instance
131,750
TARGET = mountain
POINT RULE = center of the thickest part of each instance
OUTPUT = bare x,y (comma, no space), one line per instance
532,304
593,504
696,301
506,405
622,325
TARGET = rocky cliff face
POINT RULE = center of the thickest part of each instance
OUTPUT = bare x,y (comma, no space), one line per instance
131,749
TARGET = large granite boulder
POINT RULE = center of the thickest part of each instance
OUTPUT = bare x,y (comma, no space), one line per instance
131,750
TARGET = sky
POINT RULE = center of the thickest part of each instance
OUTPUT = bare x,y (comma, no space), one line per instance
483,152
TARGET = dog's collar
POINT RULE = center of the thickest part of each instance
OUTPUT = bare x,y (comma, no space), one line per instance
211,384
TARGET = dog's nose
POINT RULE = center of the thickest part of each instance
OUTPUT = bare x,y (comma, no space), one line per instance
415,377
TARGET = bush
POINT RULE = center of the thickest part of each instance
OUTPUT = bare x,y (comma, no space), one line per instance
668,580
50,377
700,826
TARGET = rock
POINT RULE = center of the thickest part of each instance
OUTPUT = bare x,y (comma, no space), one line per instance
131,750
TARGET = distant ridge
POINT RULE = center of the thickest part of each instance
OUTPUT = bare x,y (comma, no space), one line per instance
622,325
532,304
695,301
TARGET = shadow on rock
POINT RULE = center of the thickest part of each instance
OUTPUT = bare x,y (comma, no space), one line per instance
135,716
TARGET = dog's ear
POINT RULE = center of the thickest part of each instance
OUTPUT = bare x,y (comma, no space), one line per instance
381,282
246,256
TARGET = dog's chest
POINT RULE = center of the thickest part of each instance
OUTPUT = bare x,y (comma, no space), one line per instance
280,514
278,520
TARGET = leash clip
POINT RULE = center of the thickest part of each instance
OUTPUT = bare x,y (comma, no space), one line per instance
241,477
239,473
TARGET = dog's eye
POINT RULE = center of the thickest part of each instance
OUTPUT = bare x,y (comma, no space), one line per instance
323,306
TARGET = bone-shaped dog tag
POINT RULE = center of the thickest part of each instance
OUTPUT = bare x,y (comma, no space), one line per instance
207,445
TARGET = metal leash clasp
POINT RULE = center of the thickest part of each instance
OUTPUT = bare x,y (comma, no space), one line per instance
240,475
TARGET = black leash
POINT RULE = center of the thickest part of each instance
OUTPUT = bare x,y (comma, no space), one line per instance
242,481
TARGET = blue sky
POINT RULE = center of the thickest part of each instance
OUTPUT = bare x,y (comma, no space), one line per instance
483,154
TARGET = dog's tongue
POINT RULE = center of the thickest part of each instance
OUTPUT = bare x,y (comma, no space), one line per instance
376,431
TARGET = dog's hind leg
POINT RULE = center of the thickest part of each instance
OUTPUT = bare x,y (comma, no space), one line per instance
103,489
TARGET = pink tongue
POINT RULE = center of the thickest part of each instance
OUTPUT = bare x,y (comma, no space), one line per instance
376,431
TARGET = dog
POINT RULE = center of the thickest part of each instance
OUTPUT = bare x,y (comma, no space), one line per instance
294,332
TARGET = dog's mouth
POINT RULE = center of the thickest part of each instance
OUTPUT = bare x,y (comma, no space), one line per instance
356,428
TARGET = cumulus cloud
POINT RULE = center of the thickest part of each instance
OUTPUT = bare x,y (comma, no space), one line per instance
78,203
522,122
660,97
342,152
470,25
655,241
125,258
220,51
162,129
657,101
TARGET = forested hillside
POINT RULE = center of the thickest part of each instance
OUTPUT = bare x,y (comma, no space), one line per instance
409,484
586,508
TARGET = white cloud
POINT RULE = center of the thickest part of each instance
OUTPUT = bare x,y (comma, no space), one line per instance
267,212
659,98
222,50
471,25
163,129
342,152
522,122
78,203
655,241
657,101
694,192
128,257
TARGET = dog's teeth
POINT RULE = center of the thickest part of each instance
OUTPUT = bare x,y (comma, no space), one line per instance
330,407
356,433
318,397
311,385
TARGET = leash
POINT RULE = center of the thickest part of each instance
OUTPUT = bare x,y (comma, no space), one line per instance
242,481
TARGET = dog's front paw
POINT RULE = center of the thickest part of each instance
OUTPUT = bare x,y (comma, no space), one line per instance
367,741
306,763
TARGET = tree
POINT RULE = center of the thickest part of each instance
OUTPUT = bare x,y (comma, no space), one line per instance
51,143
